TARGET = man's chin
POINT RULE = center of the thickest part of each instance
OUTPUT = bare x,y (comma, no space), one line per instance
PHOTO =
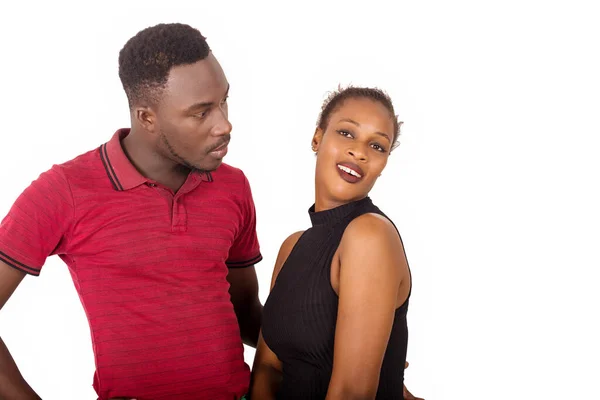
209,166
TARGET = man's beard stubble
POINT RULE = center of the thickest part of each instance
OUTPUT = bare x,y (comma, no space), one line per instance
186,165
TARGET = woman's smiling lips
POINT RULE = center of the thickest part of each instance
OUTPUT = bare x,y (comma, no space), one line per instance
349,172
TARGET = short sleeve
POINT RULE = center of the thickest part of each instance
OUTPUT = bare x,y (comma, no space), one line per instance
37,222
245,251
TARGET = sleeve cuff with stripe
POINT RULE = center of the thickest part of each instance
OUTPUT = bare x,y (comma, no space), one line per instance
11,262
244,264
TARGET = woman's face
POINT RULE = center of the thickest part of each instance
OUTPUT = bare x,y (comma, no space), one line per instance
353,150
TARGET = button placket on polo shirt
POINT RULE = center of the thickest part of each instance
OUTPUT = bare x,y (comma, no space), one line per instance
179,219
179,212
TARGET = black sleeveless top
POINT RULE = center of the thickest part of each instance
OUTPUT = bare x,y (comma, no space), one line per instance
299,316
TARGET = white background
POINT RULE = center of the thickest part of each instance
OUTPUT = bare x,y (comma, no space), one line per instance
494,187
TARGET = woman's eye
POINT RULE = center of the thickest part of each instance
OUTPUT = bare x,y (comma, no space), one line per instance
345,133
378,147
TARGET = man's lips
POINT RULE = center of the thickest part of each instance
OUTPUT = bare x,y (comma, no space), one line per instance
220,151
221,146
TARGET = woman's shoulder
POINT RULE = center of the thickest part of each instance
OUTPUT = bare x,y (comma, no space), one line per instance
372,236
289,243
284,252
370,225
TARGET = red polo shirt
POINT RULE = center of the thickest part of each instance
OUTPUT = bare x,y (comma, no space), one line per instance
150,269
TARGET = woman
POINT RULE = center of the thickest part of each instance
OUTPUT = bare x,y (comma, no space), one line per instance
334,325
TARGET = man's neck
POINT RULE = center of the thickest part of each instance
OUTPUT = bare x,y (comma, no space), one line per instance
151,164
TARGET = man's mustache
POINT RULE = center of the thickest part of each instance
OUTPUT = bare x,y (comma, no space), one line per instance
226,139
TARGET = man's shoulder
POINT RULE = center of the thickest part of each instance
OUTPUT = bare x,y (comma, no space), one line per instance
87,160
228,174
83,170
233,181
227,169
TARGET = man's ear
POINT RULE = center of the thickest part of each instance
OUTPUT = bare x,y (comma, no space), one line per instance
146,117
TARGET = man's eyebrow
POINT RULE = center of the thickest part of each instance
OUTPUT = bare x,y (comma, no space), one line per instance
197,106
206,104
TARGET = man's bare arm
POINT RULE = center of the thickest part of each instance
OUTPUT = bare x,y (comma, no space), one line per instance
12,383
247,306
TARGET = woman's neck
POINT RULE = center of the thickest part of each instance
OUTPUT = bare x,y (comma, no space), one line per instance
327,202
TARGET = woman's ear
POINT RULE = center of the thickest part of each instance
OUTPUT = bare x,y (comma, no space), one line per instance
316,140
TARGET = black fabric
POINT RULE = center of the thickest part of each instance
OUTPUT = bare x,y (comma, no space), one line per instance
299,317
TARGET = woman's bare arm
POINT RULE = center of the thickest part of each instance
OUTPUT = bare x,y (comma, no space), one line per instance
372,269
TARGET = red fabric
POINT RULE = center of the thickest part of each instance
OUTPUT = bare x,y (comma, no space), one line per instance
150,269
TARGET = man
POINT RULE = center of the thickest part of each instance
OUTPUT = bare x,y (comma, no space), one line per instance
158,234
148,224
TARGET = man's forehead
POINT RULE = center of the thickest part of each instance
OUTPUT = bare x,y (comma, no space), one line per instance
205,71
205,76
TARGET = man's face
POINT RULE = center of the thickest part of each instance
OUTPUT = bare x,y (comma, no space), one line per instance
192,118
